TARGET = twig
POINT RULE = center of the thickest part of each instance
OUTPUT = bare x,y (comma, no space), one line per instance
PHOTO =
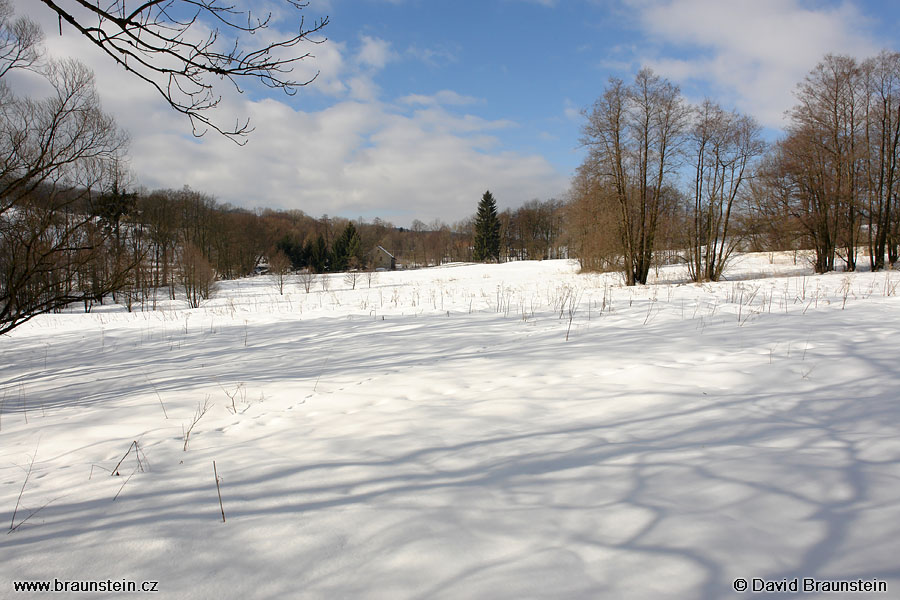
157,395
649,311
198,414
219,491
134,445
12,522
91,474
123,484
25,520
324,365
240,389
574,300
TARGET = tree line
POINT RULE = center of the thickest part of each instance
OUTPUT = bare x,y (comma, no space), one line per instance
663,180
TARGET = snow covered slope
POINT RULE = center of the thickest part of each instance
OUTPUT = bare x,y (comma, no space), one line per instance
433,434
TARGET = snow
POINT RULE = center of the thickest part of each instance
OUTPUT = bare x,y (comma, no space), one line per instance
434,435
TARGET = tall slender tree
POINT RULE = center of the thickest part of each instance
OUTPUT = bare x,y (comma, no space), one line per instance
487,230
633,134
882,155
722,146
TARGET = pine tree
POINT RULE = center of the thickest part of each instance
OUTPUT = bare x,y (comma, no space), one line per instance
298,253
487,230
354,249
319,258
339,255
346,249
113,206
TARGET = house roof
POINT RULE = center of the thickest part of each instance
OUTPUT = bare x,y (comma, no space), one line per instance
385,251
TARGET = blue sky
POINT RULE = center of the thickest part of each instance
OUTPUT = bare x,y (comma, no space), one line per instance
421,105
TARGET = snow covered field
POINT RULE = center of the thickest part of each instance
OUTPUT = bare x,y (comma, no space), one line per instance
433,434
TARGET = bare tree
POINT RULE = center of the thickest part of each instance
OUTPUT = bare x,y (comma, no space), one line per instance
831,109
882,156
722,146
633,133
183,47
462,240
532,231
816,172
279,266
197,275
418,231
57,156
352,277
307,279
592,221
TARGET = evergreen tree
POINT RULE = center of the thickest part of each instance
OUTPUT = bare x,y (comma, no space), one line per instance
354,249
346,250
297,252
487,230
309,248
339,254
320,257
112,206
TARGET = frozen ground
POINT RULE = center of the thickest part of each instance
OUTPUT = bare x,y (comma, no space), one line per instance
436,436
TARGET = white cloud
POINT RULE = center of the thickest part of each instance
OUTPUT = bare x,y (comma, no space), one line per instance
355,77
441,98
375,52
434,57
363,87
327,65
754,53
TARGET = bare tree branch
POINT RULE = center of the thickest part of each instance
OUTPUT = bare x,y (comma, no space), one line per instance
19,41
160,42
